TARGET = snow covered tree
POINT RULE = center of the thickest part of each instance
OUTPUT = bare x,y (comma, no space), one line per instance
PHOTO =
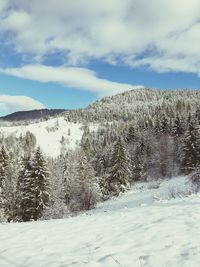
86,144
177,129
87,147
3,177
29,143
164,125
59,187
3,166
66,179
85,190
120,169
20,202
10,186
34,188
131,135
191,149
137,170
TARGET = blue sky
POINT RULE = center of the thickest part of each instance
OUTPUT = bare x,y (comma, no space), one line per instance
64,54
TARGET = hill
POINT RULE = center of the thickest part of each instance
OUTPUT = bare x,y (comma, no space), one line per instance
138,108
32,115
139,104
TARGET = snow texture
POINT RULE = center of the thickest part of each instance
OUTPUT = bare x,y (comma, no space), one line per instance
144,227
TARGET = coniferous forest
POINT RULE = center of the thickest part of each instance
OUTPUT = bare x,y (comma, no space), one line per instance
142,135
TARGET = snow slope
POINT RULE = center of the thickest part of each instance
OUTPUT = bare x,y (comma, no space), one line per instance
141,228
49,134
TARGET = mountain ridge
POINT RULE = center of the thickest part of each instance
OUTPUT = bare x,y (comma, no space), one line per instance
123,106
31,114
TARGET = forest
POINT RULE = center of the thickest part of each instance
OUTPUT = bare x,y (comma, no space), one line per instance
142,135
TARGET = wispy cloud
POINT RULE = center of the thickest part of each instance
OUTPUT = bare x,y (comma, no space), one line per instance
73,77
9,104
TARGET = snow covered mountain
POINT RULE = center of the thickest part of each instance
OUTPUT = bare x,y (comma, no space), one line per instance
144,227
136,106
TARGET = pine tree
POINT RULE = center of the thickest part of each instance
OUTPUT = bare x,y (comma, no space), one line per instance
34,188
191,149
120,169
20,203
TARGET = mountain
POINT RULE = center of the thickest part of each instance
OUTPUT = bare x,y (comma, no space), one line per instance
32,114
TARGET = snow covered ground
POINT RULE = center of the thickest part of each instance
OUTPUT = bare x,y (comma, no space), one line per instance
144,227
49,134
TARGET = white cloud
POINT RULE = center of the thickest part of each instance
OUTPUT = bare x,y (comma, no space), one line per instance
74,77
161,34
9,104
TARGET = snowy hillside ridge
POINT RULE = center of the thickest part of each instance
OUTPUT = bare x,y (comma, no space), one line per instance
133,230
32,115
50,135
138,104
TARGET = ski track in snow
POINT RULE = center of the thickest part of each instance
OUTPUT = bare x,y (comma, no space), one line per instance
131,231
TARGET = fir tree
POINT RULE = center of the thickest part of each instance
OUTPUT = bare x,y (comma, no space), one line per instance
34,186
120,170
191,149
20,204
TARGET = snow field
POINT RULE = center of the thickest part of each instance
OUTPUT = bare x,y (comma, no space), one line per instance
141,228
49,134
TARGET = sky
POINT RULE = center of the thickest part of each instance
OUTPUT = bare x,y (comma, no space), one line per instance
66,54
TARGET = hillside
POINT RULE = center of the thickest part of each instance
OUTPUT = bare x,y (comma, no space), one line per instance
141,228
51,135
136,107
138,104
115,184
